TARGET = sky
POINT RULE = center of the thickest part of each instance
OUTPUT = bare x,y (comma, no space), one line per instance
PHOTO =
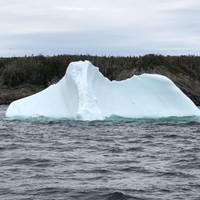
99,27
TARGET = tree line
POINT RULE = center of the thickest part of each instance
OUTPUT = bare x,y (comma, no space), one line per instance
44,70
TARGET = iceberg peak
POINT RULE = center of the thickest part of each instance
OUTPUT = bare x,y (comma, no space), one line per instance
82,74
84,93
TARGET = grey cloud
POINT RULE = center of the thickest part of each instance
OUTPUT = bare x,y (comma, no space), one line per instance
114,27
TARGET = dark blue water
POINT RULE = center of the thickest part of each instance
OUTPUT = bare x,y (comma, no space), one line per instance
105,160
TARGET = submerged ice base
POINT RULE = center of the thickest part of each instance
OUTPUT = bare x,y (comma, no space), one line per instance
85,94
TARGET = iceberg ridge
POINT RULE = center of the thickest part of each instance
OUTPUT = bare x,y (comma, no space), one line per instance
84,93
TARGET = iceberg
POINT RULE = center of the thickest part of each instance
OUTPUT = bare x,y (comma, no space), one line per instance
85,94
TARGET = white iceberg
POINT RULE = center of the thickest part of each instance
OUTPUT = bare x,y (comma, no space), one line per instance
85,94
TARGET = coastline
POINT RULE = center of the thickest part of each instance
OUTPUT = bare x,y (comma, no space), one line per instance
24,76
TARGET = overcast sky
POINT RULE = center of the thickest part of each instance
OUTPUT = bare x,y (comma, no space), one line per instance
102,27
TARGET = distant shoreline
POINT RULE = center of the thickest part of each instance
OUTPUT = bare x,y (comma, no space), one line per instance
24,76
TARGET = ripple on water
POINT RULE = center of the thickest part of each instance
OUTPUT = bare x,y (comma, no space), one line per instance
115,159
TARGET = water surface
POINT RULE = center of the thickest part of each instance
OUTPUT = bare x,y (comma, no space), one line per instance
105,160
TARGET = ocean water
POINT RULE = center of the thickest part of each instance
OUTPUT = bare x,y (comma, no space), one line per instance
116,159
